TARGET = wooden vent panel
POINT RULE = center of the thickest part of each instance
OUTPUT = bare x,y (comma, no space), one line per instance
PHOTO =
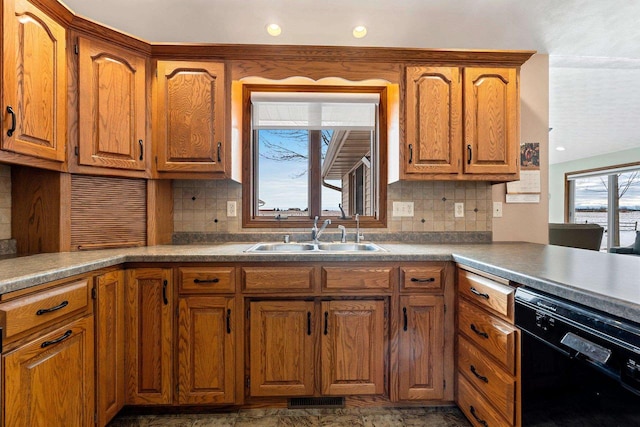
107,212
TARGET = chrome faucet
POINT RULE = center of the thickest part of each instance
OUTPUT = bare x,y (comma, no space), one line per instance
315,232
358,235
343,229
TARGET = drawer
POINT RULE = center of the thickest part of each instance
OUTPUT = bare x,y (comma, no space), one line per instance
206,280
495,336
487,293
493,382
476,408
358,278
421,278
283,279
44,308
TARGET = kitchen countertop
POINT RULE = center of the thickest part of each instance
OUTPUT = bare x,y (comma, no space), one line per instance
607,282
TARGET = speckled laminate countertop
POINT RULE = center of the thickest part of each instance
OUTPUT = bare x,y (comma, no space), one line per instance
608,282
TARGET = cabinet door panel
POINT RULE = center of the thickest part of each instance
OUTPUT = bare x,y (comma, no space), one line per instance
421,348
190,112
149,344
434,113
353,347
206,359
282,350
491,120
112,107
51,386
34,82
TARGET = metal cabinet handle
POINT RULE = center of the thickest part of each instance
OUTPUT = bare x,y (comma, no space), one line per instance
12,129
141,143
478,419
42,311
326,322
479,332
219,154
214,280
425,280
406,320
308,323
165,300
478,293
410,153
57,340
228,320
469,154
478,376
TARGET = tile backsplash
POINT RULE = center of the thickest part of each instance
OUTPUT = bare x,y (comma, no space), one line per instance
5,202
200,206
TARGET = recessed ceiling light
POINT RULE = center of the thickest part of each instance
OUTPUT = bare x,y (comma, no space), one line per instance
560,148
360,31
274,30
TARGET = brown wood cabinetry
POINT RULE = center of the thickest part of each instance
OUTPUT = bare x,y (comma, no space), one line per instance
488,363
112,112
149,332
33,99
109,335
461,123
189,124
206,350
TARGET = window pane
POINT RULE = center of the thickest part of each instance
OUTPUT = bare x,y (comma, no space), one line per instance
629,206
591,204
283,179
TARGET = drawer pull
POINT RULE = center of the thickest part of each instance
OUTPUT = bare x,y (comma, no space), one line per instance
406,320
308,323
478,419
478,293
214,280
427,280
228,320
478,376
57,340
42,311
478,332
165,300
326,322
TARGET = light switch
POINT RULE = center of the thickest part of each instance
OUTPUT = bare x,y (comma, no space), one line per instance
497,209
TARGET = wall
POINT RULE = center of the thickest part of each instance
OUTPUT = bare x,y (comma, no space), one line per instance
557,172
528,222
5,202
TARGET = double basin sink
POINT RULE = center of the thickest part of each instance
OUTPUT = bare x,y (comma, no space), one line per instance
314,247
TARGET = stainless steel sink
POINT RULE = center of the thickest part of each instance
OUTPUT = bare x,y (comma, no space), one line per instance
270,247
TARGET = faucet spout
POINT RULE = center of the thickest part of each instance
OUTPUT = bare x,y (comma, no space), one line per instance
315,232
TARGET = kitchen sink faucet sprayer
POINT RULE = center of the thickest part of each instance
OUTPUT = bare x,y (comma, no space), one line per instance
315,232
358,235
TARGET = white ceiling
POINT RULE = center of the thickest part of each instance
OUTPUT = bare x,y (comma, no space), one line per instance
594,44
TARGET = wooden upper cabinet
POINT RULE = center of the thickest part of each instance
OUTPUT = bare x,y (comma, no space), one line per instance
112,107
189,128
34,82
433,120
491,121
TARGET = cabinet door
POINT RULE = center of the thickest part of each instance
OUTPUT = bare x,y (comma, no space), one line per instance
112,107
109,345
281,348
148,309
353,347
190,114
421,348
491,103
33,82
49,382
433,121
206,362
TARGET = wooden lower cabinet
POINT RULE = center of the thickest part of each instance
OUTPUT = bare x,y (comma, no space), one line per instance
109,335
49,382
149,343
206,350
421,345
281,341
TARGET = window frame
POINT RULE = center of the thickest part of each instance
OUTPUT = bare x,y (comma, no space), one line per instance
251,220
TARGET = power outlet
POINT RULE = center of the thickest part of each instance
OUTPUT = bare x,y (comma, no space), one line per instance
459,210
231,208
402,208
497,209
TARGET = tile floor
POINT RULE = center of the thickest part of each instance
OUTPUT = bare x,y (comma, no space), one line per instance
353,417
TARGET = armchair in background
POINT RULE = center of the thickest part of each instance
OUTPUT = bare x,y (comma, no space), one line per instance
584,236
630,250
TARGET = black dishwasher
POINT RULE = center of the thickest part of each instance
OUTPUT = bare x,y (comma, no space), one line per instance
580,366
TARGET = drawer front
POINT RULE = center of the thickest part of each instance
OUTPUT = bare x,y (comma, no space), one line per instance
476,408
487,293
492,381
207,279
357,278
421,278
495,336
44,308
283,279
